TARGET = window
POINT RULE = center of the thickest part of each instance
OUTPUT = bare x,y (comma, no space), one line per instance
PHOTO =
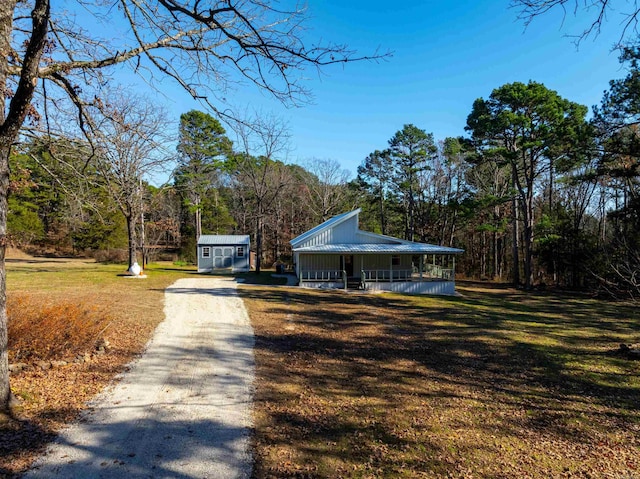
206,252
395,260
240,251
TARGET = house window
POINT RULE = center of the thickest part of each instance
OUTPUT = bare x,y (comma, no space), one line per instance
206,252
240,251
395,260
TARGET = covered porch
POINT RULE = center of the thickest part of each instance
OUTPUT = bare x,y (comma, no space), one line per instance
414,272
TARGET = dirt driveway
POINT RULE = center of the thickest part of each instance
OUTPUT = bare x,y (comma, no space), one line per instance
183,409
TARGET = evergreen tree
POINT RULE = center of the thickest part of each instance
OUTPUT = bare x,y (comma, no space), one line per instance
202,149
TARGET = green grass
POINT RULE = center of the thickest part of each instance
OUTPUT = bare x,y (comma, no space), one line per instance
78,274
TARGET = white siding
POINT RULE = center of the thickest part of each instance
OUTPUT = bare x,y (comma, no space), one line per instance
323,284
379,261
345,232
417,287
319,262
342,233
373,239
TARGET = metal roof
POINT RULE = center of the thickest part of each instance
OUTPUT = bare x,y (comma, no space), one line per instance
327,224
406,247
223,239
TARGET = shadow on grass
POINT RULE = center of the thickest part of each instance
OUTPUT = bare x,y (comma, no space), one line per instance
19,436
370,368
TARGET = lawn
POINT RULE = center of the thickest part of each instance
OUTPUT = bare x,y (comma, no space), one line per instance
494,384
60,310
54,293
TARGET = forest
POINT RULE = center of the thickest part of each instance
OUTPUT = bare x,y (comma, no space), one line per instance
537,191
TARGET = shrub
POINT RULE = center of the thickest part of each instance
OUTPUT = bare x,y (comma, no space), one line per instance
52,330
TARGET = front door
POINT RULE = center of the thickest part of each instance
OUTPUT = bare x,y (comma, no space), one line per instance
347,264
223,257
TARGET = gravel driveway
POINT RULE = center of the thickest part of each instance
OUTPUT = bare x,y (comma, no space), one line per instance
184,408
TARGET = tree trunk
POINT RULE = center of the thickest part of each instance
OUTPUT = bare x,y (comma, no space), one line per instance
483,256
516,250
258,243
527,212
5,390
198,216
9,130
131,235
143,249
528,255
383,223
514,246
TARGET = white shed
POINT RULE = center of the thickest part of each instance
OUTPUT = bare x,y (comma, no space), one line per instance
223,252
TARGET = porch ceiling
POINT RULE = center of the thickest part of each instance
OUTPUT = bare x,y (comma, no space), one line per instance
373,248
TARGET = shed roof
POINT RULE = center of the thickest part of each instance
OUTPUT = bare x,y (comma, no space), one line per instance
208,240
406,247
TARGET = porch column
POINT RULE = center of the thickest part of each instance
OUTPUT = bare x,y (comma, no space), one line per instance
391,269
453,270
421,265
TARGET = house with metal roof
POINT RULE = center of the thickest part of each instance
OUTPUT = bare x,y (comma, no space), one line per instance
223,252
337,254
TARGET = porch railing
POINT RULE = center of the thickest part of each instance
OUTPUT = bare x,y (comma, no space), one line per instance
430,273
385,275
379,275
321,275
433,271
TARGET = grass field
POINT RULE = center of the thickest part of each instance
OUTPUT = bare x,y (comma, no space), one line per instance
494,384
128,309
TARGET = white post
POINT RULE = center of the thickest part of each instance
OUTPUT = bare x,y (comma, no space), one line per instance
453,270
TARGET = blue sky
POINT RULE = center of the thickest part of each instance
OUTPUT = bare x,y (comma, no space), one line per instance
445,55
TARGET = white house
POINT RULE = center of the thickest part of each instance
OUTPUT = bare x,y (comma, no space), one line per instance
337,254
223,252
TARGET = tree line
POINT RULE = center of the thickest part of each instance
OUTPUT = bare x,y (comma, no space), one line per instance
74,182
534,193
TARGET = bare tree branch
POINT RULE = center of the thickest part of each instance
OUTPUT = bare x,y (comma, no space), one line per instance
597,13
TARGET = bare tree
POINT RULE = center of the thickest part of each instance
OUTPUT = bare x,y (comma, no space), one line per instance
326,187
163,224
260,177
129,140
204,47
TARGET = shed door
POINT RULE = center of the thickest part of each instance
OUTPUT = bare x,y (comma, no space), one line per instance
223,257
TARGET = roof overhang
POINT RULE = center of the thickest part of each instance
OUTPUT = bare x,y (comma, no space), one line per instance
378,248
223,240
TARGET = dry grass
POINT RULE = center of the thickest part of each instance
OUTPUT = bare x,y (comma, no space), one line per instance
497,384
71,304
56,330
